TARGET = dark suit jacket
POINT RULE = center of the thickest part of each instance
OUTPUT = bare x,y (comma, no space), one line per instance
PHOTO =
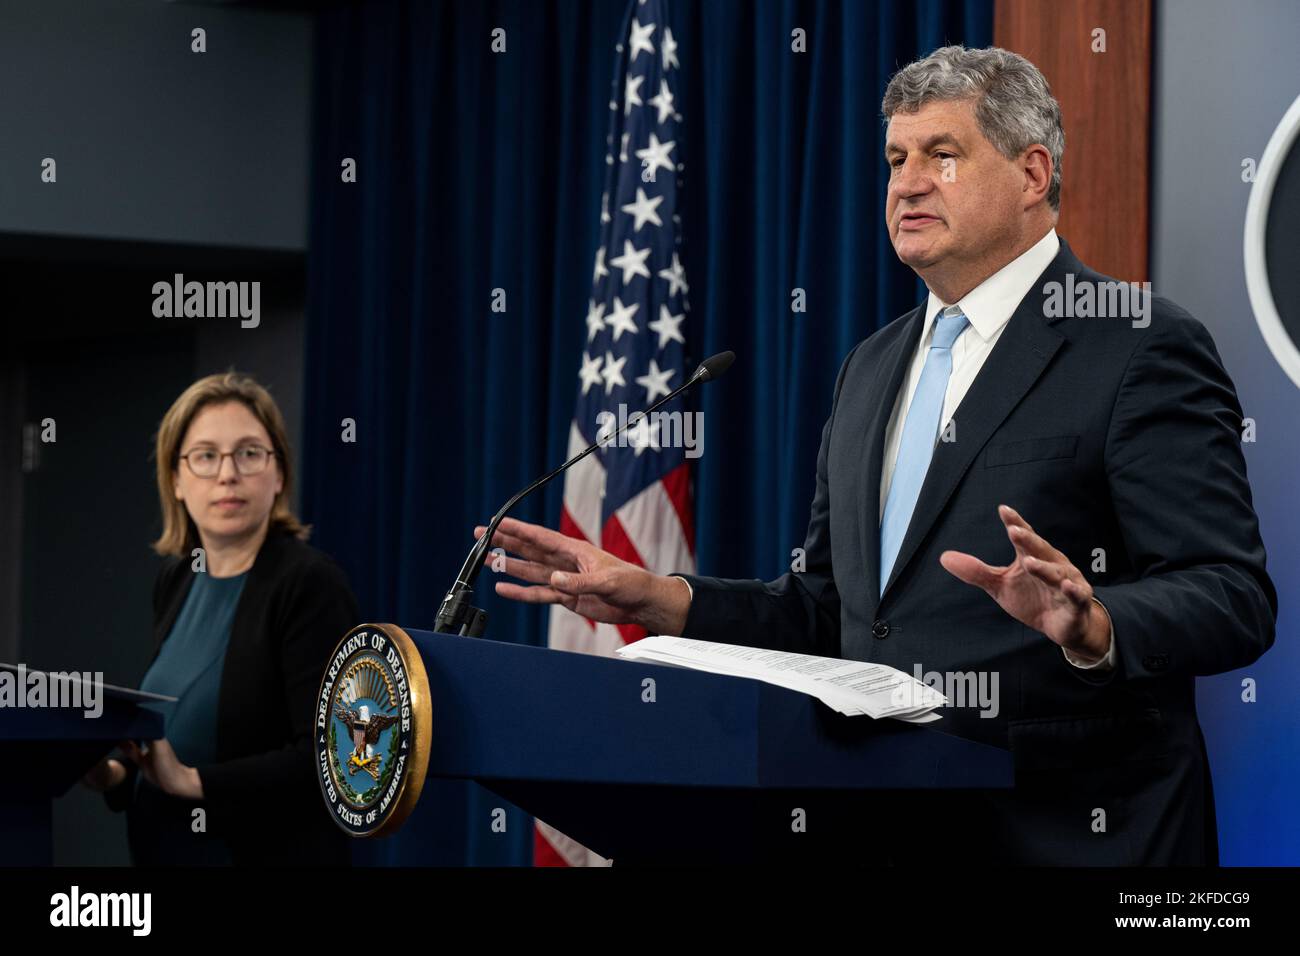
261,794
1101,435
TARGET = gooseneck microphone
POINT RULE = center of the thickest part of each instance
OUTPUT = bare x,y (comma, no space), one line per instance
457,615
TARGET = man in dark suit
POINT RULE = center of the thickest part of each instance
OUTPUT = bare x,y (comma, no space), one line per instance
1028,388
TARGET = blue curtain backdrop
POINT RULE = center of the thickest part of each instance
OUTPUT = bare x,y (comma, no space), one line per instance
479,171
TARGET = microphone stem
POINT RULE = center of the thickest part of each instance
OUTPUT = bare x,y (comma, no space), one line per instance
478,554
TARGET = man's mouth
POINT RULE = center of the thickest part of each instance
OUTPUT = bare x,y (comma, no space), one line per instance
917,220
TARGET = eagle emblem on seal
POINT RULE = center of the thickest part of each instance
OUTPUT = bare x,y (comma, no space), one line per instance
366,728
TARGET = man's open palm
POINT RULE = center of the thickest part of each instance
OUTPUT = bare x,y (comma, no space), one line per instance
568,571
1041,588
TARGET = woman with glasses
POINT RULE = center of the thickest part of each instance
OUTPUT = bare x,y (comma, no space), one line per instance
246,614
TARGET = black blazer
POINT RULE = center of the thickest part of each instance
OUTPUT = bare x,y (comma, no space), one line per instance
1101,435
261,794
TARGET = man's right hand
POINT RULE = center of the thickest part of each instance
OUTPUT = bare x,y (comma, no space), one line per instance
585,579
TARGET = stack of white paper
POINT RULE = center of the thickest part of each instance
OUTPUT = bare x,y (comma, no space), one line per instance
850,687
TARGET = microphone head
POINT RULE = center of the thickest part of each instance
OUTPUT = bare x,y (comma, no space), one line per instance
714,366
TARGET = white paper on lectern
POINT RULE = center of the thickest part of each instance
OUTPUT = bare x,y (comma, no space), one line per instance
851,687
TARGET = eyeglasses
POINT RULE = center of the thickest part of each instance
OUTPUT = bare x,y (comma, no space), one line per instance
248,459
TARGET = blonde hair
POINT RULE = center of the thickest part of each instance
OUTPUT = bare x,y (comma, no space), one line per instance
179,535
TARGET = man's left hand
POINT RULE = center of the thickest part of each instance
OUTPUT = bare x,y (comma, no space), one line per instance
1041,589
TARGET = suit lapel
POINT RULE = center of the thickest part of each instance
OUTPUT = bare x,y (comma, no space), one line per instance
1021,354
880,399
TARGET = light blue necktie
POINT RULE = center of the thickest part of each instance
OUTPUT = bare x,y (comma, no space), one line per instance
920,433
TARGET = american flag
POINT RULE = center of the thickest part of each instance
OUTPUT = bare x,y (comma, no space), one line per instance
632,501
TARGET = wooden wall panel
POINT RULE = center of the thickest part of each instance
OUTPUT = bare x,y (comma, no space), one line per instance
1105,102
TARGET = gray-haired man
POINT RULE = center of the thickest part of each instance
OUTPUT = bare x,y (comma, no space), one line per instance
952,429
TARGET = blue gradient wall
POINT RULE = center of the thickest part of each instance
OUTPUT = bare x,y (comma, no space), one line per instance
1224,76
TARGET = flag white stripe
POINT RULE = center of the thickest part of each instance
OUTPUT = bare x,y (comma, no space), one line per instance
574,853
584,485
571,632
652,524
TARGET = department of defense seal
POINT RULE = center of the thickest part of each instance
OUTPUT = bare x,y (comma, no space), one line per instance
373,720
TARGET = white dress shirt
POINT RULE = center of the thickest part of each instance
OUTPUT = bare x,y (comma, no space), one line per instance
988,307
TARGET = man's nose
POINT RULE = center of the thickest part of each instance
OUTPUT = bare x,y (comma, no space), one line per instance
912,179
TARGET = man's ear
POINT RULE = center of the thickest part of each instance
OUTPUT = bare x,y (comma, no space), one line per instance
1036,163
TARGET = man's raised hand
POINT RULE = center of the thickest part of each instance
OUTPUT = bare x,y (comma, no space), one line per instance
585,579
1040,588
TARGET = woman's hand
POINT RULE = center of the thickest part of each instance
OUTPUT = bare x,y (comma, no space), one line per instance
161,767
105,775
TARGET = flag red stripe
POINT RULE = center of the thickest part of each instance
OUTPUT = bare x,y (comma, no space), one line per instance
543,853
677,483
614,539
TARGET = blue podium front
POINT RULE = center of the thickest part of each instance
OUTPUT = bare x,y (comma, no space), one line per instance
648,763
52,748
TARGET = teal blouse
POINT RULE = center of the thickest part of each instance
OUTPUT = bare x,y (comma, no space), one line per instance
189,667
